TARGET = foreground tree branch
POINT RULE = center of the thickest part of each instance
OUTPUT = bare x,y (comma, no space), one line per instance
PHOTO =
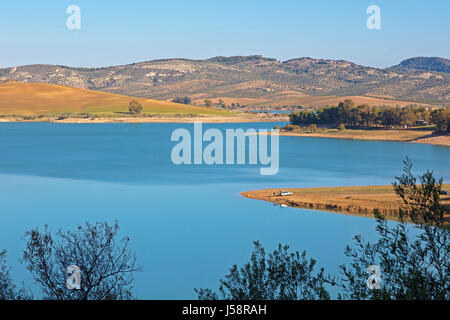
107,264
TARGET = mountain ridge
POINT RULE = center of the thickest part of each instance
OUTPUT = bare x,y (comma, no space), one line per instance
254,76
425,64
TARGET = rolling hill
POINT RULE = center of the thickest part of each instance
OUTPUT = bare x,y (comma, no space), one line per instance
424,64
265,80
34,99
292,98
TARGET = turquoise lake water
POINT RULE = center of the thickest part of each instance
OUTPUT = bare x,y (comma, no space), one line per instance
188,224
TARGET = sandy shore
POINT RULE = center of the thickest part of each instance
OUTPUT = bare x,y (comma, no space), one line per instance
362,201
239,118
403,135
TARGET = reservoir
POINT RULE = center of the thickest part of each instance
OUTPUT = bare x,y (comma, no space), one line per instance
188,224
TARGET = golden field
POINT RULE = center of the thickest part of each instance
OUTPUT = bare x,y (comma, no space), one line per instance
295,98
17,98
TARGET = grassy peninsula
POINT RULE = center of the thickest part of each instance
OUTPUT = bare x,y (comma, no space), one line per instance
364,200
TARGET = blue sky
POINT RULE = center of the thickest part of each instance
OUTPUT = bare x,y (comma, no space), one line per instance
117,32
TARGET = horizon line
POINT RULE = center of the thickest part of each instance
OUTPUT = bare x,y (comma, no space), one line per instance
215,57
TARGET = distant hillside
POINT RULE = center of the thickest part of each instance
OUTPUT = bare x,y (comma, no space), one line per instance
252,77
424,64
33,99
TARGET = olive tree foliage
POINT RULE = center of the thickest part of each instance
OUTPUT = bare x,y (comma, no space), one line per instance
283,275
7,287
107,264
135,107
414,260
183,100
441,118
8,290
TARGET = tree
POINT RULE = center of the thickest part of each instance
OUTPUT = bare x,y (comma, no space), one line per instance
388,117
284,275
412,268
209,103
312,128
8,290
344,111
347,114
135,107
365,114
106,263
183,100
348,104
187,100
441,118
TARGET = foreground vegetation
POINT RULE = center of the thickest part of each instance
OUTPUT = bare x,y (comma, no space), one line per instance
106,263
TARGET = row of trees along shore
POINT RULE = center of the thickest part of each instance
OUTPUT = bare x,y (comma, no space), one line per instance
348,114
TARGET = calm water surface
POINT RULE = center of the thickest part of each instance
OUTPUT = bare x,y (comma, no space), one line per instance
188,224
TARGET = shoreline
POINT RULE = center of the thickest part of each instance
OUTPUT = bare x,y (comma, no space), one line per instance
242,118
400,135
362,201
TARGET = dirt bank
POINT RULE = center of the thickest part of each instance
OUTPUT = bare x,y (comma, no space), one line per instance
364,201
